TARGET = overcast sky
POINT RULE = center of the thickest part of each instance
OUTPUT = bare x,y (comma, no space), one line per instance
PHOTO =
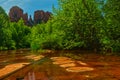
29,6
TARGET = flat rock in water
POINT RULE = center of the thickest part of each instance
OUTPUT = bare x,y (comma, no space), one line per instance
68,65
79,69
63,62
60,58
11,67
35,57
82,63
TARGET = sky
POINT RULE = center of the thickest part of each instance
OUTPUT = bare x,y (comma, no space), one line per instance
29,6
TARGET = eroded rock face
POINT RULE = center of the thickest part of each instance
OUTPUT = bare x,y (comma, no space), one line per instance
47,16
41,16
15,14
25,18
30,21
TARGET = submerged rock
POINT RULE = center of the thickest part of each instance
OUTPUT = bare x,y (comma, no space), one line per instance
60,58
35,57
79,69
63,62
71,65
82,63
8,69
68,65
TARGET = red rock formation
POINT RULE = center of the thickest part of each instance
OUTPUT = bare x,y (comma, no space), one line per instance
47,16
30,21
25,18
41,16
38,16
15,14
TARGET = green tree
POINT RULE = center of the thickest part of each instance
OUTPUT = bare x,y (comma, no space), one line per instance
81,20
112,17
5,33
44,36
80,24
20,34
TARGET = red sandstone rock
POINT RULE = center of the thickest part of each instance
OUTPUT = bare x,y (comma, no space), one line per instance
25,18
30,21
41,16
16,14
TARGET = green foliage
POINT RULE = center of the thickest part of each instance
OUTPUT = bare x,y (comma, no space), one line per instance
5,33
42,37
20,34
12,35
81,21
112,17
76,24
3,18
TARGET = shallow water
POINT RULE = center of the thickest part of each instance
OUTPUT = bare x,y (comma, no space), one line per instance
105,67
10,57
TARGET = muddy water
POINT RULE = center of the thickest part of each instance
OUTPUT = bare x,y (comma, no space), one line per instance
105,67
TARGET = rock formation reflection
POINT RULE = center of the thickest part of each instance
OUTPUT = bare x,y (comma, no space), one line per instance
30,76
36,76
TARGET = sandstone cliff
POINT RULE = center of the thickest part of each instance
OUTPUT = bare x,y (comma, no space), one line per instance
16,13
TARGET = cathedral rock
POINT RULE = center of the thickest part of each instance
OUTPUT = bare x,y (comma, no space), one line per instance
40,16
16,14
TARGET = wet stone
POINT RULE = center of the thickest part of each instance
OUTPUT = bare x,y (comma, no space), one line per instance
60,58
71,65
82,63
79,69
68,65
63,62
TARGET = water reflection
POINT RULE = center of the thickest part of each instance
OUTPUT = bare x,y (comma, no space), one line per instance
36,76
30,76
13,56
